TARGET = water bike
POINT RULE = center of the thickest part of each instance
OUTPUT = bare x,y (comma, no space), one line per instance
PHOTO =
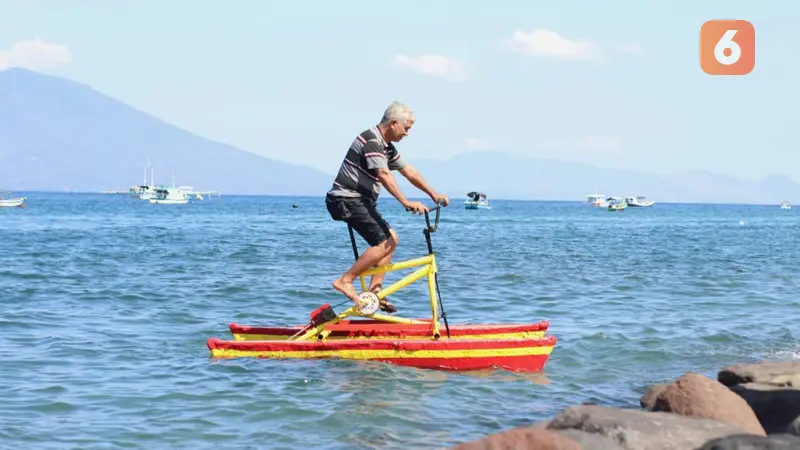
428,343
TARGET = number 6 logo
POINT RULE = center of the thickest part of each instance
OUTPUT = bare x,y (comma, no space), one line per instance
727,43
727,47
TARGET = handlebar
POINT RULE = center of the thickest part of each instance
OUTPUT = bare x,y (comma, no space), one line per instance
436,208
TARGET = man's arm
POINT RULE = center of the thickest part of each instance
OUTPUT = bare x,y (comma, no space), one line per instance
387,180
382,167
413,176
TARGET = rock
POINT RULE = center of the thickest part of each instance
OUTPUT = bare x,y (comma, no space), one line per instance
543,425
694,395
589,441
641,430
751,442
783,373
772,389
648,400
775,407
522,438
794,427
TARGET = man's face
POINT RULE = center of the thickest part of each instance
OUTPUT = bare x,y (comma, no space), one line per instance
398,130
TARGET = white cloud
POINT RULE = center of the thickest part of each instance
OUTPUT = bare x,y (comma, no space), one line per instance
630,48
547,43
34,54
433,65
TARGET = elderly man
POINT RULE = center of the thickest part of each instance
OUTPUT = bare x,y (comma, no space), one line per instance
367,166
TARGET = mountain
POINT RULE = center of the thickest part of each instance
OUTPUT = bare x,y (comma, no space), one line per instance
58,135
501,175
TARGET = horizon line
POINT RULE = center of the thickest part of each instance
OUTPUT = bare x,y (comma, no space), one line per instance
322,196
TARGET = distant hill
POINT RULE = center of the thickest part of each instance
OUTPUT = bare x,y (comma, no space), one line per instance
58,135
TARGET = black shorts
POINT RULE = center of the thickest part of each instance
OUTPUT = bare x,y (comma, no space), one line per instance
359,213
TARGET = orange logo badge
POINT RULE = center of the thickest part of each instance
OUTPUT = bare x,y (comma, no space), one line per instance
727,47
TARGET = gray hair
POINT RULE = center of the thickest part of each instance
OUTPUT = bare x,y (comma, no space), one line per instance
399,112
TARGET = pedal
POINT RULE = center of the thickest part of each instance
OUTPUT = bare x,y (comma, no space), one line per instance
369,303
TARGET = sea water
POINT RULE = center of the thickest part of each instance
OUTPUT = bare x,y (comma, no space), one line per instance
106,304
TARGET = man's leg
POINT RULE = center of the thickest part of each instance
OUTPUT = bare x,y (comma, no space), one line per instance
369,224
371,257
376,282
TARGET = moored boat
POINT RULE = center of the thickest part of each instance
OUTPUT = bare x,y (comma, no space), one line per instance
615,204
639,202
596,200
170,196
7,201
476,200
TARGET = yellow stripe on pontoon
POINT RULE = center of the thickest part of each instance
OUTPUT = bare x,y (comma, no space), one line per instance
384,354
520,335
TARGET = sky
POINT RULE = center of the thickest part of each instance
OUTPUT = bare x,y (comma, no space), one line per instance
611,83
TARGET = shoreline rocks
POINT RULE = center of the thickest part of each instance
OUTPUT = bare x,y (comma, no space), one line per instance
772,389
749,406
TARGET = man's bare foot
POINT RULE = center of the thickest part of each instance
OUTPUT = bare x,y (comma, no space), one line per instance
386,305
346,288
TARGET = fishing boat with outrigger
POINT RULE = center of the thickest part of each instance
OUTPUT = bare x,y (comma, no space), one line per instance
361,332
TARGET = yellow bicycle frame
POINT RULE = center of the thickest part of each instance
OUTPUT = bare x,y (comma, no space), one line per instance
427,268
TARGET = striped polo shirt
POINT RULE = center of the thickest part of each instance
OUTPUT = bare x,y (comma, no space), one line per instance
357,174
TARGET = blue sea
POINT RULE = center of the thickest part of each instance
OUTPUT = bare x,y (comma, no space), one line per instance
107,302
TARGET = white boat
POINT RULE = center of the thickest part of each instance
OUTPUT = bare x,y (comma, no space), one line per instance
639,201
596,200
170,196
7,201
476,200
786,205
